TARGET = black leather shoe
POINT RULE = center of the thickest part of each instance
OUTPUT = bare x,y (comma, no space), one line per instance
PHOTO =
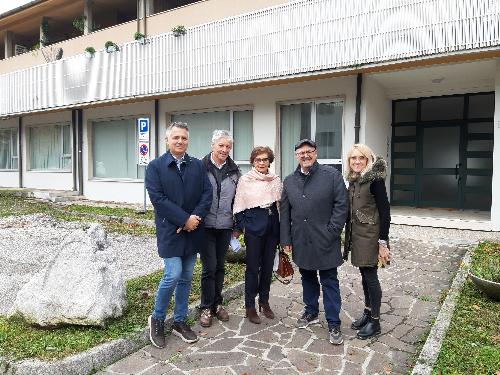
361,322
372,328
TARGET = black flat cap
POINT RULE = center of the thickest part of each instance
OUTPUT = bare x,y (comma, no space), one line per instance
303,142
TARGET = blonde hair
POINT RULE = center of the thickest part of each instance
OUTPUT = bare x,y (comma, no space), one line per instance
367,153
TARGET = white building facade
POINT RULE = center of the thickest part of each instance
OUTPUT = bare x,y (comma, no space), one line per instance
418,81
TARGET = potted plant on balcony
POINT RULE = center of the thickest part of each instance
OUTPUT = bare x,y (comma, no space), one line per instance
89,52
485,269
140,37
179,30
111,46
79,23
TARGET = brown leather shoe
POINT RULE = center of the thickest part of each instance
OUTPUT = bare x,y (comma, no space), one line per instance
221,314
266,309
252,316
206,318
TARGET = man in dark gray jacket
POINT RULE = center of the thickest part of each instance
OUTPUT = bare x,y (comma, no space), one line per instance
223,174
313,211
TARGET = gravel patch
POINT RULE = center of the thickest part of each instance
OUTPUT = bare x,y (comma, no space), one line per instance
27,243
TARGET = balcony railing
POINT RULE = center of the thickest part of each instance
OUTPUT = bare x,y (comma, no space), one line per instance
293,38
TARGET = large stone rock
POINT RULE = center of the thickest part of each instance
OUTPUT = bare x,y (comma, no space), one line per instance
81,285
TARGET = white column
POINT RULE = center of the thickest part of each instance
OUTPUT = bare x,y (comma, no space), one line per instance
9,48
495,188
87,12
150,7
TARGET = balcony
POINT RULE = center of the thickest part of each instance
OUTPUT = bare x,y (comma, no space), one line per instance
297,37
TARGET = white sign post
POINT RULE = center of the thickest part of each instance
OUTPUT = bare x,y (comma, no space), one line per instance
143,150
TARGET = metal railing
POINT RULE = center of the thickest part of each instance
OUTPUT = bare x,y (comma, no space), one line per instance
293,38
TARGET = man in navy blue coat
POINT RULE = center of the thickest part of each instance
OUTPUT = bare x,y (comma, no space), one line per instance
181,194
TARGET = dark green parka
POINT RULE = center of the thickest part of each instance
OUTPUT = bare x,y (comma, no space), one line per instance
363,221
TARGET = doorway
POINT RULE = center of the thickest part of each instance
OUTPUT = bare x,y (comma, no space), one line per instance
442,151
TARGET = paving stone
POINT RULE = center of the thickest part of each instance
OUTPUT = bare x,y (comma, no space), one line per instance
303,361
380,364
394,343
249,370
266,336
212,371
221,345
165,353
287,371
133,364
198,360
323,346
331,362
275,354
351,369
401,330
299,339
356,355
256,344
158,369
252,351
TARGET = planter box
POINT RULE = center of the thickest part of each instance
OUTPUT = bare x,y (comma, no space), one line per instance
490,288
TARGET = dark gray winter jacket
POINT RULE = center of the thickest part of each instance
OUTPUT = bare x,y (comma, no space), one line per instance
313,211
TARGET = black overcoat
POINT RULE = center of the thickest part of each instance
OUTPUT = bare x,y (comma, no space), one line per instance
313,212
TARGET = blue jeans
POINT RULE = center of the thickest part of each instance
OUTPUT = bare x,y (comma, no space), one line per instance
331,294
177,275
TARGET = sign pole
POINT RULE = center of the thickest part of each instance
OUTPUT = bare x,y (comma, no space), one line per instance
143,149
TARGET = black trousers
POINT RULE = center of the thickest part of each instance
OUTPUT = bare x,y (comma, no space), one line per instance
259,270
371,289
213,259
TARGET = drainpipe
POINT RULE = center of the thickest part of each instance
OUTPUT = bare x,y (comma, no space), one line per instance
88,14
157,128
357,118
74,145
79,125
20,151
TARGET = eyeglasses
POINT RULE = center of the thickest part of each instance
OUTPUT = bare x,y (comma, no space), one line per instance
306,152
259,160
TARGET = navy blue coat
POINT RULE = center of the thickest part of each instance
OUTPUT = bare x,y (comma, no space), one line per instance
175,196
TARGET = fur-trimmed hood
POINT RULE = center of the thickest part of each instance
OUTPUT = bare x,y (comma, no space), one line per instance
378,171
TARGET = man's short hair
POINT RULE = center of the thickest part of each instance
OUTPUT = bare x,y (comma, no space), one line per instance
220,133
176,124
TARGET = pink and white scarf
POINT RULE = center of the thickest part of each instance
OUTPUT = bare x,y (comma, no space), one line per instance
256,189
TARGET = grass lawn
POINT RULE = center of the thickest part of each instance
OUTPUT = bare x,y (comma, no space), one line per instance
11,205
19,340
472,343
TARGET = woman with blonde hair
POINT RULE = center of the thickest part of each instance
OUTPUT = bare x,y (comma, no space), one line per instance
367,230
256,213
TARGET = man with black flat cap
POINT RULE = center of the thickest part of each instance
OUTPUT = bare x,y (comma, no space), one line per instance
313,211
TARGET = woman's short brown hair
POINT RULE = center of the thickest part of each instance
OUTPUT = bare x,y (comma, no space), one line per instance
261,150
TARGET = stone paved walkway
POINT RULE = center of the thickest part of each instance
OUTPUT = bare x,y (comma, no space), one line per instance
420,273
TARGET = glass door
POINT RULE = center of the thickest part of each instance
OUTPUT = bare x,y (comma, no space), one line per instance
441,172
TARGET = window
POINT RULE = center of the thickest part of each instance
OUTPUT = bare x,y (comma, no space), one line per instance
114,145
8,149
317,120
50,147
202,124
